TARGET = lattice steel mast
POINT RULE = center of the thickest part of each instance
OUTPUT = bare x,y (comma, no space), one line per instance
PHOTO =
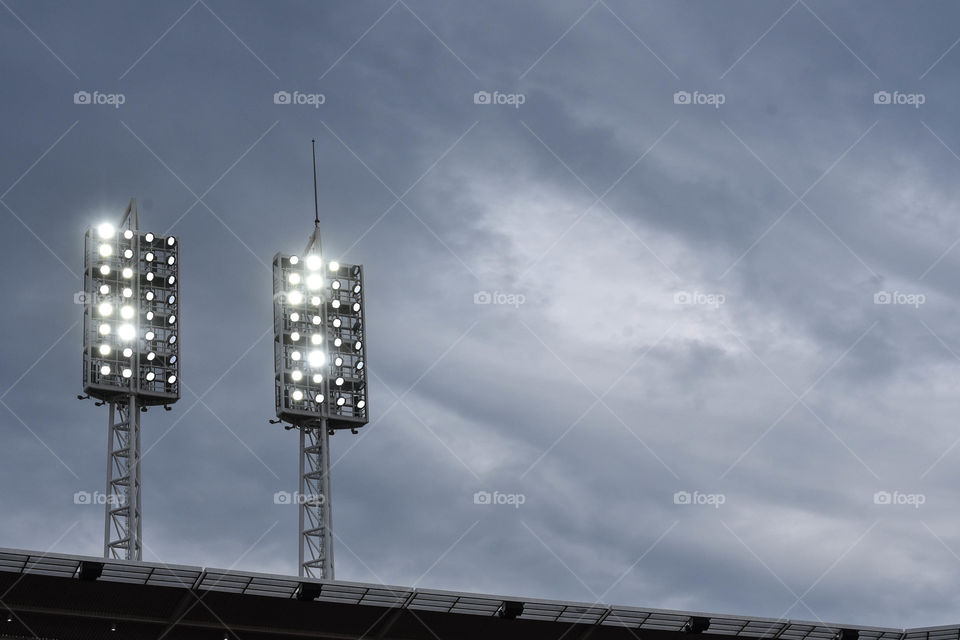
318,310
130,357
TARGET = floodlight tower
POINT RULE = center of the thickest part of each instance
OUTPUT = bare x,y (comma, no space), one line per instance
130,356
320,376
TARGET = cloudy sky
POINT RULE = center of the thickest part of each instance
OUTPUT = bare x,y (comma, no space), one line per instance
719,356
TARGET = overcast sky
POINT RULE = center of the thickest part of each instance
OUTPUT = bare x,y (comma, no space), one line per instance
717,241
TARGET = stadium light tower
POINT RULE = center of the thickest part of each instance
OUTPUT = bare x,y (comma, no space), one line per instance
131,355
320,376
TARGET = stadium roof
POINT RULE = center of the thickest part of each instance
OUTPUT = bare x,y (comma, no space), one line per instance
65,597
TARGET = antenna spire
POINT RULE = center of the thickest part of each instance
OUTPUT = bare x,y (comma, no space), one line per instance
316,206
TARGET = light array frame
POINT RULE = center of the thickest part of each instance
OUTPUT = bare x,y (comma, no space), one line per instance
319,342
131,316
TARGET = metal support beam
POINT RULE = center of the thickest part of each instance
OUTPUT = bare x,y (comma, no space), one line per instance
316,517
122,531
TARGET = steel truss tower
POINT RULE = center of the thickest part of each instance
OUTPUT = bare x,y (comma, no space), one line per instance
316,516
320,380
122,530
131,326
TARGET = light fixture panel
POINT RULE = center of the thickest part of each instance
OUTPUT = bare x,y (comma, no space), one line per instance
131,315
319,342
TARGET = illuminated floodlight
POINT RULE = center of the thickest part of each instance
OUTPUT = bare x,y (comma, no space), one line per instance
319,341
130,322
126,332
